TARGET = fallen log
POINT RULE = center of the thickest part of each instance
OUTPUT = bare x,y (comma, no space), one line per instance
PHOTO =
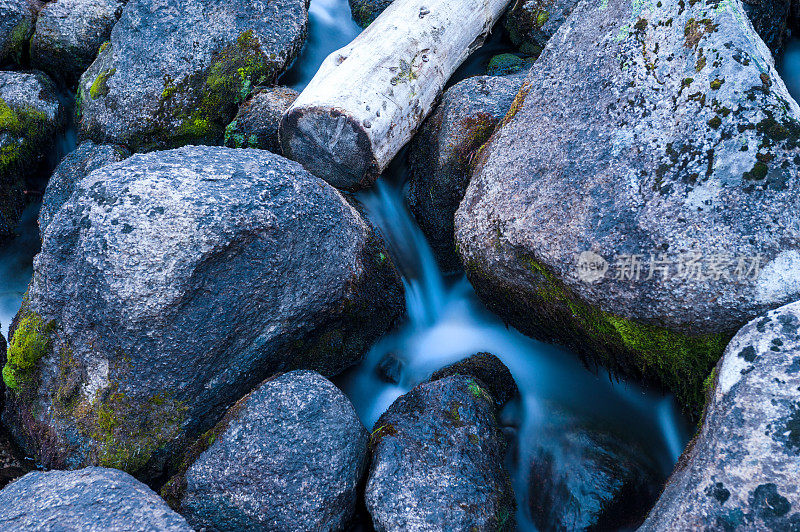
368,98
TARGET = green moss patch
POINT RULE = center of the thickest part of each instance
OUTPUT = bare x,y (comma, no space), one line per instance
99,87
29,344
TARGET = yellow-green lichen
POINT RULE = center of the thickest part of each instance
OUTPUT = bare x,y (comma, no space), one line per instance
99,87
29,343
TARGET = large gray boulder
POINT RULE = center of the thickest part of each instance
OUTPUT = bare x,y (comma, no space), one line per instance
256,124
531,23
30,117
17,18
69,34
437,461
175,71
169,285
740,471
289,456
75,166
644,134
441,155
93,499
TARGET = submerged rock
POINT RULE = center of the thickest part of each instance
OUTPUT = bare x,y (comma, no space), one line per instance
490,372
72,168
256,124
69,34
91,499
770,19
441,155
292,452
586,478
30,117
234,263
531,23
17,19
740,471
171,97
437,461
366,11
642,200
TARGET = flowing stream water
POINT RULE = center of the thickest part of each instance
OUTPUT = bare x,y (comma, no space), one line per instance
445,321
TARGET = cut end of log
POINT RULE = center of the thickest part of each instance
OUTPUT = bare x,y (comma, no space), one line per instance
331,145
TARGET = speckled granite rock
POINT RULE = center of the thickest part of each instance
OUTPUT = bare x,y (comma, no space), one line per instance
75,166
644,136
69,33
488,370
256,124
234,263
30,117
740,471
170,98
17,18
289,456
437,462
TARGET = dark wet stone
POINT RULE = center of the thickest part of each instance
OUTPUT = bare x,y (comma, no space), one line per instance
256,124
488,370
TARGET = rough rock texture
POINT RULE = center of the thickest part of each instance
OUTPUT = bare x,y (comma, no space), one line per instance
256,124
437,461
587,478
531,23
179,68
234,263
288,456
91,499
365,11
74,167
12,464
441,155
740,471
770,19
660,133
69,34
30,117
17,18
490,372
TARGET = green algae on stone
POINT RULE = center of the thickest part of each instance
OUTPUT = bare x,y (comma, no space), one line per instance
99,87
29,344
504,64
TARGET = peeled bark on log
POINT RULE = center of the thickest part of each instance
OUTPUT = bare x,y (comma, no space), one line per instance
368,98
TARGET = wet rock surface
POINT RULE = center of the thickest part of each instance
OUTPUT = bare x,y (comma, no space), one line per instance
17,18
641,202
30,117
587,478
75,166
740,471
69,33
91,499
770,19
365,11
290,454
489,370
171,99
437,461
236,263
256,124
441,154
531,23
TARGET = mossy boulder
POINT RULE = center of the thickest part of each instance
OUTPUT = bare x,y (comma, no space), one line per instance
17,19
256,123
174,72
233,263
30,117
441,155
740,470
69,33
94,498
642,199
531,23
437,461
75,166
365,11
488,370
292,451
